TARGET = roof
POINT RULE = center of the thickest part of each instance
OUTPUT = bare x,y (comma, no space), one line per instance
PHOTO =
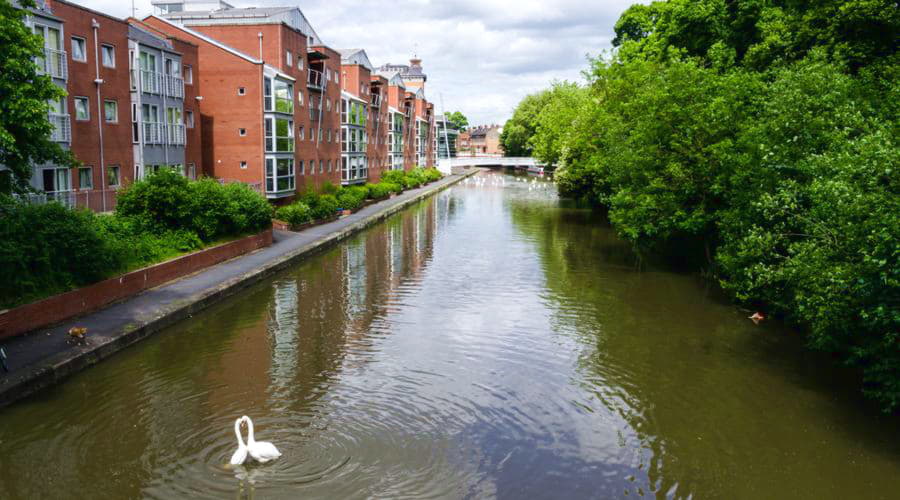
144,36
290,16
356,56
207,39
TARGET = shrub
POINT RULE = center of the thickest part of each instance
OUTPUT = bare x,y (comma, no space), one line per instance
162,200
378,191
247,211
394,177
325,206
209,205
48,249
352,198
433,174
393,187
295,214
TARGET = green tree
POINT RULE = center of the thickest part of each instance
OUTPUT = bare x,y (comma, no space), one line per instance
458,120
24,126
516,136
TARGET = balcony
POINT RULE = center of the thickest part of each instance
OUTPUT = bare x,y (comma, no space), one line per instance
53,64
175,134
62,127
174,86
151,82
316,80
376,100
153,132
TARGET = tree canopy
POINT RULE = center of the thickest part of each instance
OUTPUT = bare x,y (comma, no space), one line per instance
24,94
758,140
458,120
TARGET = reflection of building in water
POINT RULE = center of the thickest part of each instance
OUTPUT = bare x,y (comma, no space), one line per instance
283,328
354,254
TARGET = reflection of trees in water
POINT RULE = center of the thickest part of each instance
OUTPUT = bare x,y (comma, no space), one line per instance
715,400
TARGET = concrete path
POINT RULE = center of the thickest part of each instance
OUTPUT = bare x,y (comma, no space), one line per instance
43,357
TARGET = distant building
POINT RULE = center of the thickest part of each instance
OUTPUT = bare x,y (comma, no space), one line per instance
484,140
447,137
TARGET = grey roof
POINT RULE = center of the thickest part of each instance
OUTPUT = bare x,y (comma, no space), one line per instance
292,16
356,56
144,37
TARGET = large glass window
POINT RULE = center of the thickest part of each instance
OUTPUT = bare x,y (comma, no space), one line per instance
279,175
284,97
82,108
279,135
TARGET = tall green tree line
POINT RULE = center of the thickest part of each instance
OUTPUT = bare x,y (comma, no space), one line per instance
759,139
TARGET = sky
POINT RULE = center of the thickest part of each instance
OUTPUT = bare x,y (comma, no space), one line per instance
481,56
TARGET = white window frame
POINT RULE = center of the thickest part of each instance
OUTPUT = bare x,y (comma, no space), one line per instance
87,107
115,108
289,58
83,46
188,71
111,49
90,170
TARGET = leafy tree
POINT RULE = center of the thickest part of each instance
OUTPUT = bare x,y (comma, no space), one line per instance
458,120
516,136
24,126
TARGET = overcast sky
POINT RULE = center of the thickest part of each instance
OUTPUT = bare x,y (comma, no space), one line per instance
482,56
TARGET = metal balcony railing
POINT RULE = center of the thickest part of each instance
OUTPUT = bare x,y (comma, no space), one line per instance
315,80
151,82
376,100
62,127
53,63
153,132
175,134
174,86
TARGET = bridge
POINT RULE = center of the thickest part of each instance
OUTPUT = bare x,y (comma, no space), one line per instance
446,165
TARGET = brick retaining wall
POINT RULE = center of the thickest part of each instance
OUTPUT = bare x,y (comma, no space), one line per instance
92,297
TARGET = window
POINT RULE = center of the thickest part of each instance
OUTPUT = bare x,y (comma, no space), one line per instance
108,54
279,175
329,165
300,67
135,127
300,133
302,168
189,119
86,178
289,58
312,167
321,166
279,135
112,176
111,111
327,74
188,74
242,132
242,91
243,165
82,109
79,52
300,98
192,171
327,104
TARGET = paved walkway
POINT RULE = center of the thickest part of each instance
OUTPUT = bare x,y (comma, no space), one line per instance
43,357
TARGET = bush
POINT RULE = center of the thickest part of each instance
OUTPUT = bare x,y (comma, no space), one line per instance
394,177
325,206
378,191
166,202
295,214
48,249
352,198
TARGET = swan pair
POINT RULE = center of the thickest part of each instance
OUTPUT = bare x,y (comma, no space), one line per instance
261,451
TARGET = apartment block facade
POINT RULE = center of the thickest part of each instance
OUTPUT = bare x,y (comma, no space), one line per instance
249,95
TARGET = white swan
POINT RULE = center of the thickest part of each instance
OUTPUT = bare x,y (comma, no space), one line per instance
241,454
261,451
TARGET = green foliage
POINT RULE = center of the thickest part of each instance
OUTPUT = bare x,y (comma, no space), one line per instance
378,191
394,177
458,120
756,139
295,214
324,207
351,198
167,201
24,126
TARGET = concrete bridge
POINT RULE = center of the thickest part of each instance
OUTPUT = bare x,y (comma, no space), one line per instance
447,165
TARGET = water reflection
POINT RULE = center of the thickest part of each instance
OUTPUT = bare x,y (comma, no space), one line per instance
487,342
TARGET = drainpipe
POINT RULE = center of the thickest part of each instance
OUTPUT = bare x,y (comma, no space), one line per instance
100,116
164,90
262,82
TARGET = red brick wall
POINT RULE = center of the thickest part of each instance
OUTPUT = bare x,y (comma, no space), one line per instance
378,148
90,298
223,112
117,145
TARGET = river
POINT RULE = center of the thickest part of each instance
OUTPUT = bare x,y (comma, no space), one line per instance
488,342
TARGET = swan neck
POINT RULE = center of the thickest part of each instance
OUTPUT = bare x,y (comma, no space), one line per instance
250,431
237,432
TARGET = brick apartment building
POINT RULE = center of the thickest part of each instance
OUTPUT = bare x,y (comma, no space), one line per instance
105,118
483,140
249,95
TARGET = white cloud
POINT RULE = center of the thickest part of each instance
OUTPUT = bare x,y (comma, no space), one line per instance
482,56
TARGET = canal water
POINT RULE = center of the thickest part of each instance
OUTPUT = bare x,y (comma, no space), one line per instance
489,342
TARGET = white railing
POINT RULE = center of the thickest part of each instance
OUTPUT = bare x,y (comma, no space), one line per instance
175,134
174,86
153,132
62,127
94,199
54,63
316,79
151,82
376,100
